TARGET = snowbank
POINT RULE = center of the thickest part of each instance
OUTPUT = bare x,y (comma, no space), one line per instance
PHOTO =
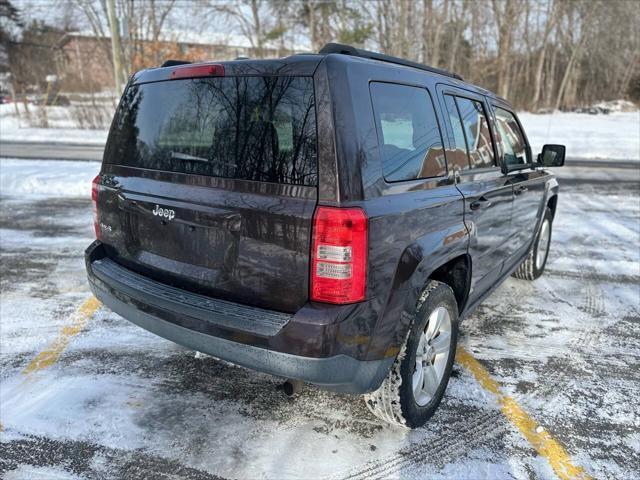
46,178
614,136
64,129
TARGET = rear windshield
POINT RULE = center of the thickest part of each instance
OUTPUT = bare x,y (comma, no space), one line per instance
250,128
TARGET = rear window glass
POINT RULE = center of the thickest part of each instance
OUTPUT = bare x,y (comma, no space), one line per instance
408,132
250,128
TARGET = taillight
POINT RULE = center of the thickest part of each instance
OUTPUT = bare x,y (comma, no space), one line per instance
94,199
339,255
193,71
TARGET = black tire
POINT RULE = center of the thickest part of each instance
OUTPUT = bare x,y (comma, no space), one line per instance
530,268
394,402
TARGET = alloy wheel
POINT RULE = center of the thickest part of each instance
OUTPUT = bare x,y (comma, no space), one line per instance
431,356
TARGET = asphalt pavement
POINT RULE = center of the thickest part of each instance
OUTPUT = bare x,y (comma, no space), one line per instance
92,152
51,150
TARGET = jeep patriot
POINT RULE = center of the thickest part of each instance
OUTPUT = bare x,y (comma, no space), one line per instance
327,218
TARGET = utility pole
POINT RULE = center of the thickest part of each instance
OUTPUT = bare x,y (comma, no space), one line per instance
115,45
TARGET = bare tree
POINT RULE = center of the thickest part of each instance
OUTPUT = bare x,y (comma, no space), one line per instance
538,53
507,14
158,13
549,22
578,20
249,17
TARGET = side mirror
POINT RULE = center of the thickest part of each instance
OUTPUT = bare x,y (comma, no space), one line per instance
552,156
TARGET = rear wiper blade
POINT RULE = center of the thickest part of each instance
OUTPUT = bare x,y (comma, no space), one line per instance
184,156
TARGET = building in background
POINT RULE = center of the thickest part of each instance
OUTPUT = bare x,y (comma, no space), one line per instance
84,61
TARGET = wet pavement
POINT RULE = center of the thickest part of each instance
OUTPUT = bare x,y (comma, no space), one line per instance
119,402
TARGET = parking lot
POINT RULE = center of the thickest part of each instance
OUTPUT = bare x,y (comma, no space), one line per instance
547,382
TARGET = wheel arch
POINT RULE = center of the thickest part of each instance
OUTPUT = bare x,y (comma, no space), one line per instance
457,274
552,204
451,265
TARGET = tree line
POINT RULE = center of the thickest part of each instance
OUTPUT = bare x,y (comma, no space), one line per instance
537,53
540,54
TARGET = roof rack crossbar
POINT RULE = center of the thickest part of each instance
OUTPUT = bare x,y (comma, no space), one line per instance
358,52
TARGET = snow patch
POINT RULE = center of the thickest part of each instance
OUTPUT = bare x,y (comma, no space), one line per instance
40,473
616,106
63,129
606,137
47,178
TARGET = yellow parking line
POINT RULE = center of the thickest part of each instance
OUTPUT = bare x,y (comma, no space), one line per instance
49,356
544,443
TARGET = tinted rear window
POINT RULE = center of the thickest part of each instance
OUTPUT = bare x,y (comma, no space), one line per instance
250,128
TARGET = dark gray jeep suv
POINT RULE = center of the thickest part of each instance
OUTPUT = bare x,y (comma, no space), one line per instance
324,217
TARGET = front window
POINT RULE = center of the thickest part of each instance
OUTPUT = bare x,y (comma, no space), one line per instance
476,130
510,138
457,156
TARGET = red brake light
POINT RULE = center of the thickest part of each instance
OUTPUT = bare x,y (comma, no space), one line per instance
339,255
193,71
94,199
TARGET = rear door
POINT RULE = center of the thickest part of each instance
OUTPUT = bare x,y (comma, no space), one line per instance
212,185
487,191
528,183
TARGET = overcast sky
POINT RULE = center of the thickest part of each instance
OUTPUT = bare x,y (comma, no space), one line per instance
61,12
47,10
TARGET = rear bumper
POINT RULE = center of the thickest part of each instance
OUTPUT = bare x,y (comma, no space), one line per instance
240,334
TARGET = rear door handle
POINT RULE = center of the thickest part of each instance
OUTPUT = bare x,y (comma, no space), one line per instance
481,203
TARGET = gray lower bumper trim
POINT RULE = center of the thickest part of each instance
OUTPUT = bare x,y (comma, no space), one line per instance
208,310
340,373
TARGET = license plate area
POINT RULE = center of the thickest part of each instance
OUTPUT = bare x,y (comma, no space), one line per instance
190,234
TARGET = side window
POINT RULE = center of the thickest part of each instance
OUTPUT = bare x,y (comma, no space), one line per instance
408,132
458,156
510,138
476,129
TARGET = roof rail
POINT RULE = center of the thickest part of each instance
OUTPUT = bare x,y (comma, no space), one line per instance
173,63
358,52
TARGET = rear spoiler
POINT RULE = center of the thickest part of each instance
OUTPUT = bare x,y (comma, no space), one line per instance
173,63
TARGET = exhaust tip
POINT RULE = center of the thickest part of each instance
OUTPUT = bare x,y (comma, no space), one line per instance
292,388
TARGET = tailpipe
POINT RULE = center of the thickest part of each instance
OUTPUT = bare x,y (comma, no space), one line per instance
292,388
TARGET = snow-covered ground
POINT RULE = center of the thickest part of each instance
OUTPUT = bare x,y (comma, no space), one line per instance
613,136
123,403
46,178
63,127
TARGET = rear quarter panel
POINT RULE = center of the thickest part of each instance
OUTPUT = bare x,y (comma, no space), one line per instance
414,226
412,233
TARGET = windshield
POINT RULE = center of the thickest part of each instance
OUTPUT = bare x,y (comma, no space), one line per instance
250,128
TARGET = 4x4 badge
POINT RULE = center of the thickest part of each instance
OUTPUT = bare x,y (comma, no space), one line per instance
164,212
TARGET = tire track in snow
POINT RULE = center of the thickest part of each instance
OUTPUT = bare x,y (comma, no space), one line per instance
463,434
593,304
579,344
